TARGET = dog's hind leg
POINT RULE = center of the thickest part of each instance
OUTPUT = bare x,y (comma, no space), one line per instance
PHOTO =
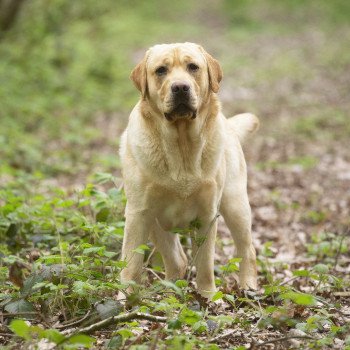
169,246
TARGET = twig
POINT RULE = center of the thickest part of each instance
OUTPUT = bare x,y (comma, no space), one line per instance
154,343
254,328
150,270
19,313
80,320
277,340
115,320
340,246
289,280
341,294
324,302
233,333
193,238
150,257
6,334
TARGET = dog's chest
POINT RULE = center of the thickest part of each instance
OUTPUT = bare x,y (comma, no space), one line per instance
177,213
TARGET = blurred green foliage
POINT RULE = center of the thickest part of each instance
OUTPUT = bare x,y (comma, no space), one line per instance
64,63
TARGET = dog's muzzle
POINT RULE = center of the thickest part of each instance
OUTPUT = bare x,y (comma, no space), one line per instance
181,102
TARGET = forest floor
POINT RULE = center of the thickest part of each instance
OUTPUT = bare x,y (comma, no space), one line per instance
61,209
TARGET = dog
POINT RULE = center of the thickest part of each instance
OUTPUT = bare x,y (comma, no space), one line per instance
182,163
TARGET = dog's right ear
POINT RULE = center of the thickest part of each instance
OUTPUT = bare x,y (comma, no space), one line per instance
139,76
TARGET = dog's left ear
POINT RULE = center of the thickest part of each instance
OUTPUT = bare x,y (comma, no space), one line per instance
139,76
214,71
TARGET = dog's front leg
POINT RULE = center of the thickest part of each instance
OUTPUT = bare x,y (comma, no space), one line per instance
203,243
135,234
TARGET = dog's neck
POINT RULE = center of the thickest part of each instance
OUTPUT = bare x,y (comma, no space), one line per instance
181,143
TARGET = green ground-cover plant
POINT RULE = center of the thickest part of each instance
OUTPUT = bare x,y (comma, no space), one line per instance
76,273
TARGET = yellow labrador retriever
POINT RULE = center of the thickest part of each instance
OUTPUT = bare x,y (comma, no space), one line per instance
183,164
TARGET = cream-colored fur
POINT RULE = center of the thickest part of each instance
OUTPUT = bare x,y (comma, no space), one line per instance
184,167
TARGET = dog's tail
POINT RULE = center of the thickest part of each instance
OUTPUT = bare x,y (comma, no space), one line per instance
244,125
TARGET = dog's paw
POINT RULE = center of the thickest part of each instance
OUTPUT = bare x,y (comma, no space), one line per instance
248,282
207,293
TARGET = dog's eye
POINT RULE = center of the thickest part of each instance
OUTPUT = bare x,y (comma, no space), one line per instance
161,70
192,67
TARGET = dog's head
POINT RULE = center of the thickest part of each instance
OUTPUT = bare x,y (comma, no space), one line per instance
176,79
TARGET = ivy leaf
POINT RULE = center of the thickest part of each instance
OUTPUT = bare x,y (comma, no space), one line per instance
108,308
174,324
29,283
48,272
115,342
19,306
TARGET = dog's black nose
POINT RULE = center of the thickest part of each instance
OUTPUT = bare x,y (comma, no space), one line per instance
180,88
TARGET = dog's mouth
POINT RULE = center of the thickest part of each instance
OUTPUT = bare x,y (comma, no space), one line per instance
181,111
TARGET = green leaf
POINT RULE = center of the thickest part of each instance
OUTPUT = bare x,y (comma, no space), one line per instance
108,308
29,283
189,317
321,269
82,288
20,328
81,340
98,250
54,259
232,265
218,295
101,178
230,298
141,249
102,215
174,324
109,254
53,335
301,273
200,327
347,340
19,306
115,342
299,298
173,286
181,283
125,333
